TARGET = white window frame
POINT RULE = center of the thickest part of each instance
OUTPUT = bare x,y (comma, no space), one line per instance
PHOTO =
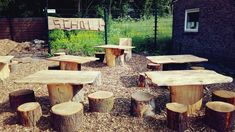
185,20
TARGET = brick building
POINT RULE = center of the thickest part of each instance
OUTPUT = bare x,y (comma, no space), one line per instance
205,28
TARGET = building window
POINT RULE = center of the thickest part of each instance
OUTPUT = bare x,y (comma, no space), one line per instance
191,20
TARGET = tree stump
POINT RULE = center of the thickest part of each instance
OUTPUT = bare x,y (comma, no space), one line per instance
197,68
19,97
29,113
101,101
67,117
190,95
142,104
154,67
60,93
176,116
114,57
13,66
220,115
70,66
224,96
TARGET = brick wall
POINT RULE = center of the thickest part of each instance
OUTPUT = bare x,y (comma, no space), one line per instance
215,39
22,29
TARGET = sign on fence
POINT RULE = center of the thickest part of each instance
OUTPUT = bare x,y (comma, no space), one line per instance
76,23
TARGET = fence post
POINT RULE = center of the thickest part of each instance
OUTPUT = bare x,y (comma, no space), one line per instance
10,27
47,32
106,23
155,22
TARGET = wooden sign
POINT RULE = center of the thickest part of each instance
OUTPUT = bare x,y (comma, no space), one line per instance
76,23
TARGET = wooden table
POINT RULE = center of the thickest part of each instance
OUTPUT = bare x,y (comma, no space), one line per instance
114,54
4,66
70,62
186,86
63,85
175,59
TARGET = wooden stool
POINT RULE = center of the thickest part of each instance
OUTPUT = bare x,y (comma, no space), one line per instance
101,101
67,117
224,96
154,66
19,97
29,113
197,68
142,104
220,115
176,116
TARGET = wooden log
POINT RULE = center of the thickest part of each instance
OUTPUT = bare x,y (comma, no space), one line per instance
4,71
29,113
224,96
114,57
142,104
127,52
197,68
190,95
101,101
142,80
59,93
13,66
19,97
70,66
154,67
220,115
176,116
67,116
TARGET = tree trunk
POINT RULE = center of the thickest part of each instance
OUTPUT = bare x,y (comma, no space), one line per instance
224,96
67,117
101,101
220,115
19,97
59,93
142,104
176,116
29,113
70,66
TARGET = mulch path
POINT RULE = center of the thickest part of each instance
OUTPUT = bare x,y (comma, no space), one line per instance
122,81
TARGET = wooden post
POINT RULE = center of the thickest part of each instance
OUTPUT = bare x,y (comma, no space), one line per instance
59,93
70,66
19,97
176,116
4,71
142,104
101,101
220,115
29,113
67,117
114,57
224,96
154,67
190,95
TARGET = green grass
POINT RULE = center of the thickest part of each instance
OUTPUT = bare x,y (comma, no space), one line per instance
141,32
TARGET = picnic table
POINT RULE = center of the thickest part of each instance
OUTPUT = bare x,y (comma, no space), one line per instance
63,85
114,54
70,62
4,66
175,59
186,86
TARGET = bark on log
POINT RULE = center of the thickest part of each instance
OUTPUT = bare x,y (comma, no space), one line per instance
59,93
70,66
101,101
154,67
188,95
29,113
19,97
142,104
176,116
220,115
67,117
224,96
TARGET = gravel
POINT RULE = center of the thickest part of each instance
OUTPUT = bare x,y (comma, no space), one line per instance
121,80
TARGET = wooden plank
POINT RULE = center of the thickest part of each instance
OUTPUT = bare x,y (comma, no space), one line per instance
114,47
175,59
71,58
186,77
61,77
5,59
